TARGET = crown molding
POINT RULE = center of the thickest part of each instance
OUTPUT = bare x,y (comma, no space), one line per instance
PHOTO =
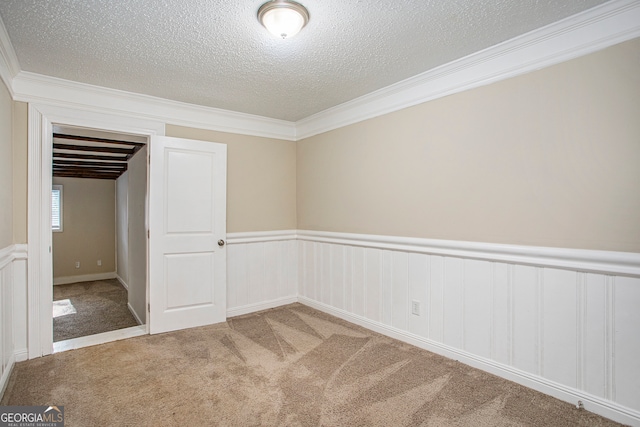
9,65
45,90
592,30
595,29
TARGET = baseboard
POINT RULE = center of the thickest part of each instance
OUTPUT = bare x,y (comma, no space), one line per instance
251,308
589,402
135,315
122,282
4,380
65,280
18,356
21,355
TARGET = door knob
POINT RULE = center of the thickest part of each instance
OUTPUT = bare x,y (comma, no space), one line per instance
221,243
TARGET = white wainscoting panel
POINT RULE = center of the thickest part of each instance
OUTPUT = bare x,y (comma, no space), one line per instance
569,332
13,314
262,271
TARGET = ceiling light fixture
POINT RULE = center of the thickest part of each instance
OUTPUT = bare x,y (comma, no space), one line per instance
283,18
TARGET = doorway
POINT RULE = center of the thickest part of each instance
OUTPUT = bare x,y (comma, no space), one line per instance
186,227
42,119
99,240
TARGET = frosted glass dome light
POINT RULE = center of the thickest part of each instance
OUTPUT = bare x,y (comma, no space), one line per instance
283,18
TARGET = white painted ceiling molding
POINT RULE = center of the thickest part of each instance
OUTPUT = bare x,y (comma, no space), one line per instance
36,88
577,35
607,262
595,29
9,65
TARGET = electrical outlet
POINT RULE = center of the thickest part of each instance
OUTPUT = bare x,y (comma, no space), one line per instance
99,262
77,264
415,308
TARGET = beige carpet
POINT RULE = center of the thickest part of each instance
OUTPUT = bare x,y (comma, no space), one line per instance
89,308
290,366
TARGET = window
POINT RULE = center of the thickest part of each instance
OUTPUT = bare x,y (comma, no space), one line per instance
56,208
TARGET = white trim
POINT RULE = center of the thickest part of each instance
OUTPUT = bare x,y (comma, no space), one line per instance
591,403
105,337
40,136
11,253
608,262
9,65
31,87
116,121
252,308
65,280
4,379
39,266
260,236
134,314
595,29
21,355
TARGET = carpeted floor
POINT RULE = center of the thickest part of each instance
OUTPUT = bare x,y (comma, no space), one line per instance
289,366
89,308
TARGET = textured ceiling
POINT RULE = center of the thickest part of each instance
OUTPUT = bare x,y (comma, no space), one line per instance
215,53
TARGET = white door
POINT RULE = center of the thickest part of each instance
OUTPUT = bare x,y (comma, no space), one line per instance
187,225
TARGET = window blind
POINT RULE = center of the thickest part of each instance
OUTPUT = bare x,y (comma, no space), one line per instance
56,208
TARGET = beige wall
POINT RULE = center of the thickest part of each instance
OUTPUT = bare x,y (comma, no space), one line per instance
261,179
20,127
137,233
122,228
550,158
6,168
88,229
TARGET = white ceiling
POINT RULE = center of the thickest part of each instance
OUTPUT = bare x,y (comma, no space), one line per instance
215,53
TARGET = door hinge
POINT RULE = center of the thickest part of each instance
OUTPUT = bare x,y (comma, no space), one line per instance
148,234
148,307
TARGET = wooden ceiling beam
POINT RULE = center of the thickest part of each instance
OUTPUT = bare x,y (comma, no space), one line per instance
73,168
85,174
85,161
95,149
89,157
83,164
92,139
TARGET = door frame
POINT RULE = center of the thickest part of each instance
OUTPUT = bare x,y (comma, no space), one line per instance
41,118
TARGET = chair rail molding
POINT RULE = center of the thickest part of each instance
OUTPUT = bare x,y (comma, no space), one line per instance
607,262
